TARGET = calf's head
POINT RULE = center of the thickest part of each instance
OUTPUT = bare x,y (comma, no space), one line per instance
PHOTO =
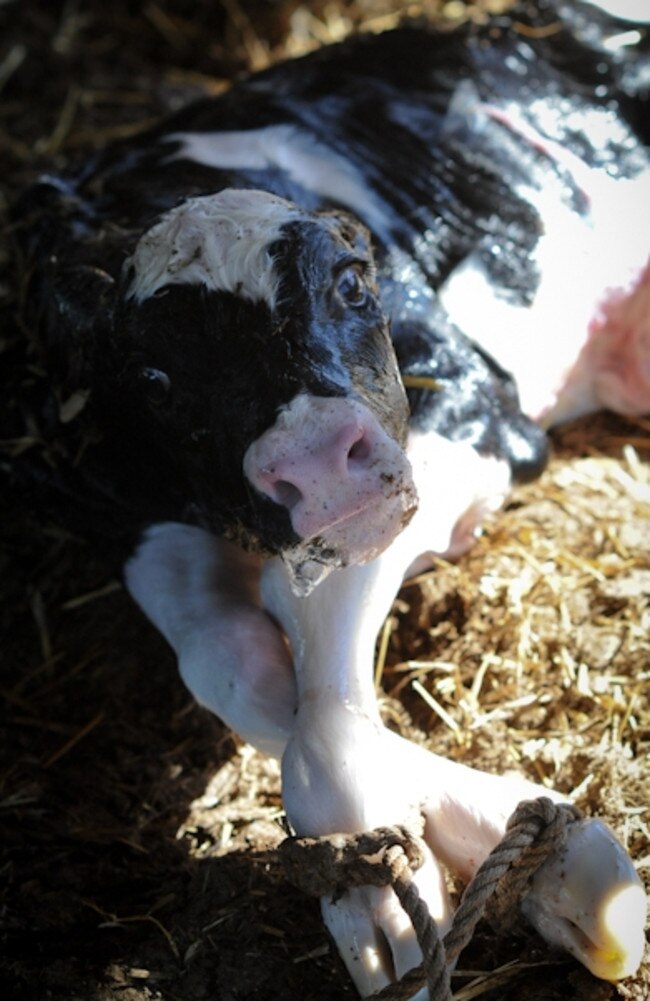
251,351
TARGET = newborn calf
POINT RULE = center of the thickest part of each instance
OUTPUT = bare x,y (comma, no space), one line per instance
245,291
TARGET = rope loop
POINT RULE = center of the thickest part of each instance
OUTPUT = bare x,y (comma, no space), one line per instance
388,856
537,828
333,863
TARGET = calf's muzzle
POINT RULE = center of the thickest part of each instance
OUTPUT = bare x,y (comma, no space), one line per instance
346,483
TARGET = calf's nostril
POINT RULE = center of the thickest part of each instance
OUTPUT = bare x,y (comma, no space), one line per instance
286,493
359,450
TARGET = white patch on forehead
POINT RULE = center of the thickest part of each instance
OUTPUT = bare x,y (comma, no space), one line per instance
306,161
220,241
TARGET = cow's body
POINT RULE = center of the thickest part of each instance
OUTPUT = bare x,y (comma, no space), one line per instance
240,288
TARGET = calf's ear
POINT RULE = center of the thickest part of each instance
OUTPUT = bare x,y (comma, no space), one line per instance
66,297
81,311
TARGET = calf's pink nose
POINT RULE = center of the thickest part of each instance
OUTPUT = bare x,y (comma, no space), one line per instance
302,467
326,460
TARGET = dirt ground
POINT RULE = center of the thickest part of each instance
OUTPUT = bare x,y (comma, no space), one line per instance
137,834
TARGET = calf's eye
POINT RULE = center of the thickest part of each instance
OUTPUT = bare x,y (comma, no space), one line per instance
351,286
156,383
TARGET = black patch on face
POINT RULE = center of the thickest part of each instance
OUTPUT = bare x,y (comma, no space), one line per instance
225,375
334,322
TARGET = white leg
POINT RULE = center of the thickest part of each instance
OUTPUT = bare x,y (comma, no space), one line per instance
337,771
344,771
587,898
202,594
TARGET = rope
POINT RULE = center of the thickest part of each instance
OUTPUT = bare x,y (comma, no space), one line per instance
388,856
536,828
333,863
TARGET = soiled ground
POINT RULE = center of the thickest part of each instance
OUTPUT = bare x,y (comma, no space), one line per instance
137,833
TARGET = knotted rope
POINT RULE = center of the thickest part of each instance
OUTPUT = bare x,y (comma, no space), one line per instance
388,856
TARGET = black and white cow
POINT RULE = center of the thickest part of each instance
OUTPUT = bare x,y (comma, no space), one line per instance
246,289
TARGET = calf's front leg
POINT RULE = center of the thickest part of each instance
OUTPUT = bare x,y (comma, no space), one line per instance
202,593
199,591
